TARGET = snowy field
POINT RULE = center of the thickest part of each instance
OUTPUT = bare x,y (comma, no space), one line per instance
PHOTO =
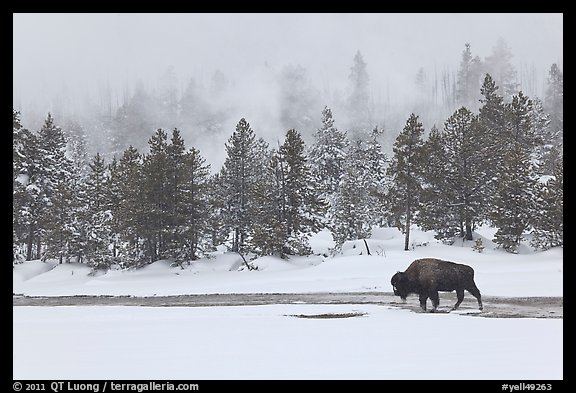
269,342
497,273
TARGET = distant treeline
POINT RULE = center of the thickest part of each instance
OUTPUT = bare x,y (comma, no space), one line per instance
501,166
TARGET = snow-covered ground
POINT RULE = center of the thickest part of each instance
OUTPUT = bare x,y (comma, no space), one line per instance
498,273
269,342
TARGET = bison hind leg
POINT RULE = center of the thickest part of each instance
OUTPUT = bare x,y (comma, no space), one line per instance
460,297
423,299
473,289
435,298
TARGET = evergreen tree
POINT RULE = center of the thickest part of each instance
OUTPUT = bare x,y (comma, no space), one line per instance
297,99
130,217
156,169
548,220
55,178
513,204
554,103
359,105
350,213
499,65
195,206
287,209
458,182
217,225
469,78
269,233
405,184
23,142
27,180
98,216
327,156
239,176
303,209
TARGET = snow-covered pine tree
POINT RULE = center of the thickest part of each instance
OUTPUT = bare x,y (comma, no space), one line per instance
436,211
548,220
217,226
195,206
156,193
239,175
56,217
98,216
21,141
514,202
269,232
303,209
403,171
351,212
129,217
458,182
28,194
175,194
327,156
514,199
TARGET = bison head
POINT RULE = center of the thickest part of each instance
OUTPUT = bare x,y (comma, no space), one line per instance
399,283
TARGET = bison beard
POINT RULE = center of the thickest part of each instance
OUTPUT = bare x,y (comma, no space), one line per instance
425,277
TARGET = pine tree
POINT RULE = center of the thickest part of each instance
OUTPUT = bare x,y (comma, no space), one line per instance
303,209
175,193
548,221
55,178
469,78
458,182
350,213
405,184
499,65
217,225
358,102
156,169
297,99
269,233
327,156
287,209
195,206
98,216
239,176
513,204
27,180
130,217
554,103
21,141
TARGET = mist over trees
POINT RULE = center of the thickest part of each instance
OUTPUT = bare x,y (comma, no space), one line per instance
132,183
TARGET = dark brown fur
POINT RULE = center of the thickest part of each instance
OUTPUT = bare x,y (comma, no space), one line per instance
425,277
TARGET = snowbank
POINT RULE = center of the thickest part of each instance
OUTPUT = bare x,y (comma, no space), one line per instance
498,273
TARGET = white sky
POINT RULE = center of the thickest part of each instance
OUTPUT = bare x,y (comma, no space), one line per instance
73,54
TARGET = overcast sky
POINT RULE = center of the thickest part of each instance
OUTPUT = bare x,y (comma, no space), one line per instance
76,52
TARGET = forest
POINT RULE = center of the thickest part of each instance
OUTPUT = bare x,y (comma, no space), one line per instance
145,195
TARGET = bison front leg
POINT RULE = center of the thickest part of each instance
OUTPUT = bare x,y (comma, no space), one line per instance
435,298
423,299
460,296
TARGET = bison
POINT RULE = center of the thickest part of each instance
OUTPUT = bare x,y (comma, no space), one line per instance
427,276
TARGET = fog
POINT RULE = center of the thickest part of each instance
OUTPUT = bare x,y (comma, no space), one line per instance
71,63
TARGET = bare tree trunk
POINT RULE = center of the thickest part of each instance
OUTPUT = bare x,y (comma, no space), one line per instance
367,248
30,243
407,236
